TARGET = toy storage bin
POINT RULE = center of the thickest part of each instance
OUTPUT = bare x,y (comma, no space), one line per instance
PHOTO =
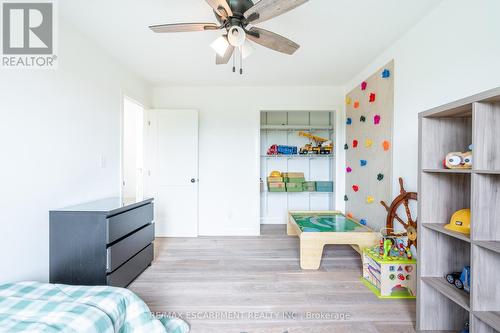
295,180
293,175
275,179
276,187
309,186
294,187
324,186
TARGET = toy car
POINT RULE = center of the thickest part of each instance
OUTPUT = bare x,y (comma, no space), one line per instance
461,280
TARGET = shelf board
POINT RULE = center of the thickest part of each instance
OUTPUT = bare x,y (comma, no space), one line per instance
490,245
458,296
487,172
447,170
295,128
297,156
489,317
440,228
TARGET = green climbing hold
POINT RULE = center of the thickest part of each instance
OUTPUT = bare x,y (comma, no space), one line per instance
346,198
380,177
346,146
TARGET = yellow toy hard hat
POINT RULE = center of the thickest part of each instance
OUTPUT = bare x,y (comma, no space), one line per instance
275,174
460,222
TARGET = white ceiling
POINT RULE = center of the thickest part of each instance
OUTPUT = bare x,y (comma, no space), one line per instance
338,39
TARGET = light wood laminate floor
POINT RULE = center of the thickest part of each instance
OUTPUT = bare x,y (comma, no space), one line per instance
255,285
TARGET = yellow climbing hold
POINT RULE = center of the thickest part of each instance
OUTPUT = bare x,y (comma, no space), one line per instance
348,100
370,199
368,143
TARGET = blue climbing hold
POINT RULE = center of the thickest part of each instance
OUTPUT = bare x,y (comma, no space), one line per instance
363,221
349,121
363,163
386,74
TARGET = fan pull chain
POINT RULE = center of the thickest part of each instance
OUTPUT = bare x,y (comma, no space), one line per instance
234,62
241,60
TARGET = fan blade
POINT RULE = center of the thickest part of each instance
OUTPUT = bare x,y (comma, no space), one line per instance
221,7
267,9
273,41
183,27
227,56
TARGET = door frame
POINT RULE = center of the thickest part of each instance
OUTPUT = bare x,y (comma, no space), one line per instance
122,136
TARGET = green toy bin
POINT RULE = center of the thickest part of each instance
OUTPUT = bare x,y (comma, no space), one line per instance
294,187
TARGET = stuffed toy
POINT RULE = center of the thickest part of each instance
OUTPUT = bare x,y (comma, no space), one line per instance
458,160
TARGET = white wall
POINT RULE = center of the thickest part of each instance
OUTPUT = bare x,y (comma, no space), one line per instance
454,52
55,126
229,145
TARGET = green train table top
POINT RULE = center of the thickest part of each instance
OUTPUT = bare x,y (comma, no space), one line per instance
326,222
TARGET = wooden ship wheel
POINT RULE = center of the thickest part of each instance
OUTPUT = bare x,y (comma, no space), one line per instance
409,224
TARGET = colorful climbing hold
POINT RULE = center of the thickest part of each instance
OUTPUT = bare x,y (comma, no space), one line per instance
363,221
370,199
348,100
355,188
346,146
372,97
348,170
368,143
349,215
356,104
376,119
364,84
380,177
362,119
386,74
355,143
386,144
346,198
349,121
363,163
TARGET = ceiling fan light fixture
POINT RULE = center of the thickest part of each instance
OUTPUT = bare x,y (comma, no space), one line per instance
236,36
220,45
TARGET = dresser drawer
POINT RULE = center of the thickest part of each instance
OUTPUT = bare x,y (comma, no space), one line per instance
125,223
124,275
128,247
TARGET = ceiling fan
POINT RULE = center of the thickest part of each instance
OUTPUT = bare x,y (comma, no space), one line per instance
234,17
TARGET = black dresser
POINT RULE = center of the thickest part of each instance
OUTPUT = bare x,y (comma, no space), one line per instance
106,242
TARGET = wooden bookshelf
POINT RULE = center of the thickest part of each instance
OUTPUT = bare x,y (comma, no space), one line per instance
453,127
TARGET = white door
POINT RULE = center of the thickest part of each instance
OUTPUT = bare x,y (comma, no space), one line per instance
173,174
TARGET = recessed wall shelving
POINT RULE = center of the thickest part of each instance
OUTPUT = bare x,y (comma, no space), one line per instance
282,128
453,127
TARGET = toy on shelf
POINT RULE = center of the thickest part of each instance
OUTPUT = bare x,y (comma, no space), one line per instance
458,160
410,225
323,146
461,280
460,222
466,327
282,150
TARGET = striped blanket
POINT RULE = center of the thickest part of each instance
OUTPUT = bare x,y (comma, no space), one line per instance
38,307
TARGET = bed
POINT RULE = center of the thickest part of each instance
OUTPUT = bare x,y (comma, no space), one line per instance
40,307
316,229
